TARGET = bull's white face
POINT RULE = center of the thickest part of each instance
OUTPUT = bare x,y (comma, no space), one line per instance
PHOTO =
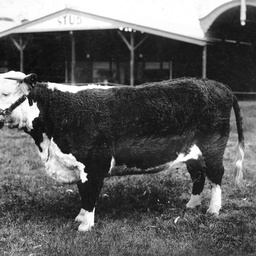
10,91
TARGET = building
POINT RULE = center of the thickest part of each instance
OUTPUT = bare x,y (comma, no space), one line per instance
131,42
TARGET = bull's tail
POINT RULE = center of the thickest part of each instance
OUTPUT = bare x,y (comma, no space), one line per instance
240,153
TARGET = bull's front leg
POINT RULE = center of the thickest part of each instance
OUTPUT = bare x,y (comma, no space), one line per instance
89,192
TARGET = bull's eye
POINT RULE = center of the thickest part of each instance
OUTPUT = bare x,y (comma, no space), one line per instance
5,94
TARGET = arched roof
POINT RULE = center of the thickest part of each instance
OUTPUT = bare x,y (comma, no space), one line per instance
208,20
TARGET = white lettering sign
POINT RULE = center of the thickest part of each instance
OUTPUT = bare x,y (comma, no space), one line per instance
69,20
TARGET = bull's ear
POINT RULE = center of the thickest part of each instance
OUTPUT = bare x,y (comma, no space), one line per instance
31,80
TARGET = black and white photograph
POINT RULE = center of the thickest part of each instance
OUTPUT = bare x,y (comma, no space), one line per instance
128,128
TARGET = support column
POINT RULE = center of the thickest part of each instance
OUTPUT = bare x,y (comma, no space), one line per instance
20,45
170,66
243,12
73,57
204,62
132,59
132,49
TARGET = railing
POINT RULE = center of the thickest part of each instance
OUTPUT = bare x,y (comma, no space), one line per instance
245,95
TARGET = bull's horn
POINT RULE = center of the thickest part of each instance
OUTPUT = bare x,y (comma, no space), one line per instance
31,79
14,75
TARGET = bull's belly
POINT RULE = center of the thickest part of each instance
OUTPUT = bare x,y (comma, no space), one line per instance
150,152
119,170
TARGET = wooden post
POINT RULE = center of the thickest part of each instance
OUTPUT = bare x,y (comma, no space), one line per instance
73,57
204,62
21,47
132,49
243,12
66,71
132,58
171,72
21,56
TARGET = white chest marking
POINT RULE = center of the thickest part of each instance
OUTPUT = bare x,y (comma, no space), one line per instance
59,166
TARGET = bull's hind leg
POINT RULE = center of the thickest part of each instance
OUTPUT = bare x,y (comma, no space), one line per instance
214,172
213,158
197,174
213,148
89,192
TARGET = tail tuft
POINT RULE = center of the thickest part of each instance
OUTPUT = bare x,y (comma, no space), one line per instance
239,165
240,153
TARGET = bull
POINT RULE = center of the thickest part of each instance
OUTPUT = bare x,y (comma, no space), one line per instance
86,133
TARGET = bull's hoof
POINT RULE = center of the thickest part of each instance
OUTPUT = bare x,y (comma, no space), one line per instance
87,220
195,201
213,212
84,227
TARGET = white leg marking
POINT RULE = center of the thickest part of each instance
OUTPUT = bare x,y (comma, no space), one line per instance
215,203
194,201
87,219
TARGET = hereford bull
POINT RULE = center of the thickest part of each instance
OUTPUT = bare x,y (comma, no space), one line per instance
83,133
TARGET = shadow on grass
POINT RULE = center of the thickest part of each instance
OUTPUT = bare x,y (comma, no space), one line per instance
153,194
120,198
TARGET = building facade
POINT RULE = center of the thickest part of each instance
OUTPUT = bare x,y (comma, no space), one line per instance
213,39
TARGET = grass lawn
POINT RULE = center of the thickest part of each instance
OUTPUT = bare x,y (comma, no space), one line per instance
135,214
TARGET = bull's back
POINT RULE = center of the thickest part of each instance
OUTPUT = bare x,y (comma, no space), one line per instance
170,107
